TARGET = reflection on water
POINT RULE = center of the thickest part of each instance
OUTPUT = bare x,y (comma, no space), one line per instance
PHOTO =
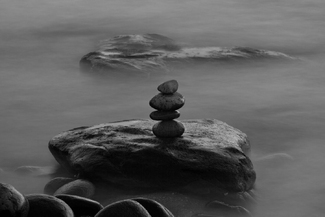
279,106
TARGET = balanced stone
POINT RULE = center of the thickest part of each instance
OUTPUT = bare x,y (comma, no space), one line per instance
168,87
167,102
164,115
168,129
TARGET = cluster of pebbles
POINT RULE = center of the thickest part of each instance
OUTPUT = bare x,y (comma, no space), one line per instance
67,197
166,104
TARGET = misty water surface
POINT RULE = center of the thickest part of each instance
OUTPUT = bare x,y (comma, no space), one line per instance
279,106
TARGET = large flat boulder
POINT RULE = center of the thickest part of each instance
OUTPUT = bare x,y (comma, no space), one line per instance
150,53
210,154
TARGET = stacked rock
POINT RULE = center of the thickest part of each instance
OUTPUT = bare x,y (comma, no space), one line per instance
166,103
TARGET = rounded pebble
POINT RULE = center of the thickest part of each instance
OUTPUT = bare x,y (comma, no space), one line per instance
163,115
167,102
41,205
79,187
12,202
55,184
154,208
81,206
124,208
168,87
168,129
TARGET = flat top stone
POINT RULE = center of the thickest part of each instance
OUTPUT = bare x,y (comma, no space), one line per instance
127,153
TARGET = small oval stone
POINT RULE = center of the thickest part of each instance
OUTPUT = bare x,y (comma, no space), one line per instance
79,187
167,102
168,129
168,87
53,185
164,115
41,205
12,202
125,208
154,208
81,206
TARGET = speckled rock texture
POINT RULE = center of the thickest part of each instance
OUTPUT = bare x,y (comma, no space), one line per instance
150,53
210,154
12,202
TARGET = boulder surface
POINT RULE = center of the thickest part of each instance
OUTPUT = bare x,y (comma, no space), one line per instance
210,153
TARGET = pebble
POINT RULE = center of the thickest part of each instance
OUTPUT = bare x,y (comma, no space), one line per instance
53,185
168,129
168,87
79,187
124,208
154,208
41,205
12,202
163,115
170,102
81,206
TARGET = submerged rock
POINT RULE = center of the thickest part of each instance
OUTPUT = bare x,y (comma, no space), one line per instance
79,187
155,53
52,186
127,153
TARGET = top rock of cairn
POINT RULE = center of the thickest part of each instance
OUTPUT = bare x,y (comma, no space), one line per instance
166,103
168,87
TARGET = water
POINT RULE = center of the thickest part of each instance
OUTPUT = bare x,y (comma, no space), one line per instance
280,106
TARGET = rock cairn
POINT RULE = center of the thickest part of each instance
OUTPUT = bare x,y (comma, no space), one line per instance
166,103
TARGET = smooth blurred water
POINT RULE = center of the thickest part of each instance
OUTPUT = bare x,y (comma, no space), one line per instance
280,106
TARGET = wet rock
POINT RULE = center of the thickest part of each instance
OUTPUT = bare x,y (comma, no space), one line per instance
154,208
125,208
79,187
221,206
53,185
81,206
167,102
151,53
127,153
168,129
163,116
168,87
35,170
45,205
12,202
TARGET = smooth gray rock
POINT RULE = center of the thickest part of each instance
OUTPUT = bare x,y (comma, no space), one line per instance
124,208
12,202
164,115
154,208
167,102
168,87
81,206
79,187
52,186
168,129
149,53
211,154
41,205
